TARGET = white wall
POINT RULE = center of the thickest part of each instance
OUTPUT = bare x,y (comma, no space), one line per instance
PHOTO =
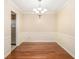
39,30
66,27
9,6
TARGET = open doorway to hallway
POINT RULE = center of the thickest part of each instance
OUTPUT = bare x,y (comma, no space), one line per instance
13,30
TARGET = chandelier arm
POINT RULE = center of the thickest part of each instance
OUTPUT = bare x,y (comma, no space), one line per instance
39,10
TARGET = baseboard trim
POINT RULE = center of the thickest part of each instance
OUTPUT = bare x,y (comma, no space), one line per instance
66,49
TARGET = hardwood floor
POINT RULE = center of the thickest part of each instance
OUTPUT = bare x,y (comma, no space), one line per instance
39,51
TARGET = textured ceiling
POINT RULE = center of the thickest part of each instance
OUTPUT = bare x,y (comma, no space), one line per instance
28,5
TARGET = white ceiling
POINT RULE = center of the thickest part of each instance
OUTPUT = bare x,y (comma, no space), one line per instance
50,5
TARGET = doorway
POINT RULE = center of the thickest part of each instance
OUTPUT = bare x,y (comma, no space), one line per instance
13,30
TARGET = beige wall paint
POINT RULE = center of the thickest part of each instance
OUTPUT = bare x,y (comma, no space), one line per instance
66,19
66,27
9,6
7,29
39,30
47,23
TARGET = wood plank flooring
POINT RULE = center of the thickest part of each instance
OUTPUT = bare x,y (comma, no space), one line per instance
39,50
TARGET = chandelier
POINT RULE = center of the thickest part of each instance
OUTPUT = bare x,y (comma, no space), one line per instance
39,11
